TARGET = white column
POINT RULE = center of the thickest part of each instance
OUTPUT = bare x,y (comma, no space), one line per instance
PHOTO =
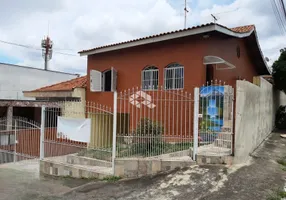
114,130
9,118
196,122
42,136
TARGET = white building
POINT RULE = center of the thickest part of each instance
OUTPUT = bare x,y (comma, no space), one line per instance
15,79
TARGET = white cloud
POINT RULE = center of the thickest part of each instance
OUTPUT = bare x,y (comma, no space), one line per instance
78,25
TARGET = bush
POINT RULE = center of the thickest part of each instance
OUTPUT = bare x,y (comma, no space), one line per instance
279,72
280,119
150,134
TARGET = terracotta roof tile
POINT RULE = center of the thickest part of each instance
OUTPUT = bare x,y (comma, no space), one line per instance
241,29
69,85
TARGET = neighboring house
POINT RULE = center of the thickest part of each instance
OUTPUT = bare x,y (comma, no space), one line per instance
72,92
181,59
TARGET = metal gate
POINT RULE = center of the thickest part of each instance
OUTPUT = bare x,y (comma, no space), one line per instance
154,122
98,145
19,139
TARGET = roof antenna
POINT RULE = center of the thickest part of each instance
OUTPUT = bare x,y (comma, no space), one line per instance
214,17
186,11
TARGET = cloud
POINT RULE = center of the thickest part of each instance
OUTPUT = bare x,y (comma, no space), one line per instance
79,25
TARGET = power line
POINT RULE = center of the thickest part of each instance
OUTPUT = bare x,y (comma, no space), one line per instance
283,8
278,17
35,48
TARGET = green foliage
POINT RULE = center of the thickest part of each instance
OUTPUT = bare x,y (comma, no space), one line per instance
97,154
277,194
280,118
282,162
147,127
111,178
279,72
150,133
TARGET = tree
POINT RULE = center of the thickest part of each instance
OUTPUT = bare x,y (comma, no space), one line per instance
279,72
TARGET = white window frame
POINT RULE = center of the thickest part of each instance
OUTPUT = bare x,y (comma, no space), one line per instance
97,80
154,73
173,68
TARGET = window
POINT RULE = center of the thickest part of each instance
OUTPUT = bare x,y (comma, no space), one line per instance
150,78
7,139
103,81
174,76
106,81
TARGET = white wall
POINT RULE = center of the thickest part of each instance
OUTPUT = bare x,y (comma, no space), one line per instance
254,116
15,79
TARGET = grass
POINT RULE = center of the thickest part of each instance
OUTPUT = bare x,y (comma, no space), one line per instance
111,178
277,194
97,154
282,162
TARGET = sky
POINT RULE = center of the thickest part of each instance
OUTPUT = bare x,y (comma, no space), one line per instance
77,25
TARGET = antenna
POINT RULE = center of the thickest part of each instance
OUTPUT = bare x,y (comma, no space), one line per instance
215,19
186,11
47,50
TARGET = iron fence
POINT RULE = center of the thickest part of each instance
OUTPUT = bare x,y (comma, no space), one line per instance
154,122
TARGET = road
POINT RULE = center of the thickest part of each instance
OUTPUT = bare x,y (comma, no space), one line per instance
256,179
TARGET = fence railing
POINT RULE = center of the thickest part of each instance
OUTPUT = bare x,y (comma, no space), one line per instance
98,140
154,122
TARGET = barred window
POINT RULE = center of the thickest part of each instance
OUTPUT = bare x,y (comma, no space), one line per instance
150,78
174,76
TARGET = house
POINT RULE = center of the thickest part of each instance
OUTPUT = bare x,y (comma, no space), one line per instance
72,92
181,59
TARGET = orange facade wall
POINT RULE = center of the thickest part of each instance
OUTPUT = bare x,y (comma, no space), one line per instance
187,51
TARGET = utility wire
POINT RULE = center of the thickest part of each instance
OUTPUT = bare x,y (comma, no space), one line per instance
278,17
35,48
283,8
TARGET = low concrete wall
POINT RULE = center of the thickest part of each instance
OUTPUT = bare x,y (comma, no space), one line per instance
255,115
134,167
53,168
80,160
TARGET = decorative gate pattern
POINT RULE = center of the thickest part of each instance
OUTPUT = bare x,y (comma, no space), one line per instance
19,139
154,122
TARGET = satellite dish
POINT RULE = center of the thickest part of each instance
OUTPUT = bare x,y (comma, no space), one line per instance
267,59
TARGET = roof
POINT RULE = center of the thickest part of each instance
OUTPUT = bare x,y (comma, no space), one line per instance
33,68
69,85
241,29
247,32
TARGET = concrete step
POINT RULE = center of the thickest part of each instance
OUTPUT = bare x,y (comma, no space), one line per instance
55,168
80,160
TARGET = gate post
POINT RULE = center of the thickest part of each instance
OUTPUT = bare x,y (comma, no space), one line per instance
196,122
15,140
42,134
114,130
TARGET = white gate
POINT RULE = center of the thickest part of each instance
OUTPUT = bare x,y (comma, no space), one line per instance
154,122
19,139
